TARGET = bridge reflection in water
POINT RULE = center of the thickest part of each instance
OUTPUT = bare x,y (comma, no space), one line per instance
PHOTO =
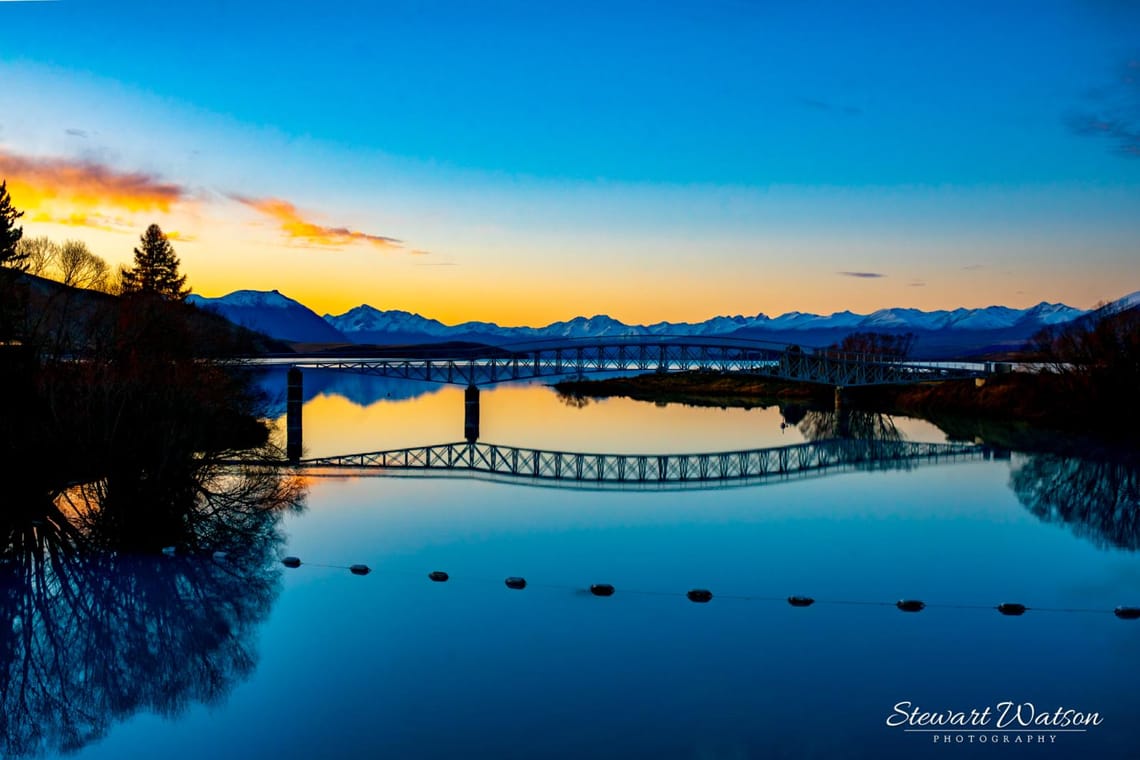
490,365
640,470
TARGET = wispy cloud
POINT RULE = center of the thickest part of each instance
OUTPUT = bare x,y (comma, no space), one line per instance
917,284
296,227
863,275
973,267
824,106
1112,112
85,192
76,132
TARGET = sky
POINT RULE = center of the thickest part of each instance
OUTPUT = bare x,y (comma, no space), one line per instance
525,162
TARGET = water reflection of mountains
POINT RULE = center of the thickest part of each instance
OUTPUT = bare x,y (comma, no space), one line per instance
97,632
362,390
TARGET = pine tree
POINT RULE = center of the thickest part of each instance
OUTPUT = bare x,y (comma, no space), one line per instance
10,234
156,268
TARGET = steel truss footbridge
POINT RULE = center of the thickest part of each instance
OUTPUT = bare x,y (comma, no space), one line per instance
640,470
484,366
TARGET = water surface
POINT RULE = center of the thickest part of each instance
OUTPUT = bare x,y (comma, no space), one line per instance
391,664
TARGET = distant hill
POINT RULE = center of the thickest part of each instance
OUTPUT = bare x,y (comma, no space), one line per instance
273,314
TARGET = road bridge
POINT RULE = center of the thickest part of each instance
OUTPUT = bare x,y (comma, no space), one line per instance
489,365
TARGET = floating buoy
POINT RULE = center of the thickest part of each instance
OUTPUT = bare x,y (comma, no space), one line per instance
700,595
291,562
910,605
602,589
801,601
515,582
1127,613
360,569
220,555
169,551
1011,608
438,576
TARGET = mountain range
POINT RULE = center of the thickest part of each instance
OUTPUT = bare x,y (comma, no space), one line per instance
939,333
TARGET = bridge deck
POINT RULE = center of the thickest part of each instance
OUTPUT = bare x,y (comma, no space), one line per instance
779,362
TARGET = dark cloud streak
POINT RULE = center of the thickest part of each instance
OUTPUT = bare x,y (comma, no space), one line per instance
1112,112
823,106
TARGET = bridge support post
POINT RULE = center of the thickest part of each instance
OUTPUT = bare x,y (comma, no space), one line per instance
471,414
842,413
294,399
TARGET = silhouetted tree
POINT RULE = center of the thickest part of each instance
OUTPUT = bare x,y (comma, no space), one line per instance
895,347
1095,361
72,263
13,291
80,268
156,268
39,253
1104,346
10,234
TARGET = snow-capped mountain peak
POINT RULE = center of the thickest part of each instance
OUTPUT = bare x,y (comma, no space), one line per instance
271,313
1129,301
272,299
280,316
365,318
1055,313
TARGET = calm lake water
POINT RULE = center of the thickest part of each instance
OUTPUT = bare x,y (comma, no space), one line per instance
331,664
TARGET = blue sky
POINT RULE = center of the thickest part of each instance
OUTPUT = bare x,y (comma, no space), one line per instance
732,156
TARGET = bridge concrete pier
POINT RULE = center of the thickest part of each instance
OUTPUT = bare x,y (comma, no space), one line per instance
294,399
842,413
471,414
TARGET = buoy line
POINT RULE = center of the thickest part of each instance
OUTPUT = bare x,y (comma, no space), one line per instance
704,596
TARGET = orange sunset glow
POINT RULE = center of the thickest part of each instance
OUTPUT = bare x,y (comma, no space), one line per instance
85,193
298,228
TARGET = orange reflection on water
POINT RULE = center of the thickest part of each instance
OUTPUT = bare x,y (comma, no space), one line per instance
534,416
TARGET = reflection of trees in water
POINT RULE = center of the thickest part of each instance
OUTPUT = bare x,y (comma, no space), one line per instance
848,423
1098,500
572,399
94,634
792,413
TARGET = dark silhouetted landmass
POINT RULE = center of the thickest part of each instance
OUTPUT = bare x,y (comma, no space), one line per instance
697,389
64,319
